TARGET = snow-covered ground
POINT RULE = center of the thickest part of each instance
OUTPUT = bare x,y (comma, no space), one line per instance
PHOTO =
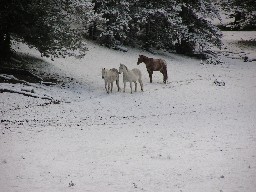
187,135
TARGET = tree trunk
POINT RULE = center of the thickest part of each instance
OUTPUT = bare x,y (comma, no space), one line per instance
147,43
5,45
1,46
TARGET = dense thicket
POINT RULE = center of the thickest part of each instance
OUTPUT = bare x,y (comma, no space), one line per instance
54,27
243,12
58,27
182,25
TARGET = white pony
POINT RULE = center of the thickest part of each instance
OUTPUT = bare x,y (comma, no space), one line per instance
133,75
109,77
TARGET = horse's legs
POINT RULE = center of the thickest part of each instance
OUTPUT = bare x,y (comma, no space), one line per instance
131,86
124,86
135,86
163,75
150,75
164,72
141,84
165,78
117,84
108,87
111,86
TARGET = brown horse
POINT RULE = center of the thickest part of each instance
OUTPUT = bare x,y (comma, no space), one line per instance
154,65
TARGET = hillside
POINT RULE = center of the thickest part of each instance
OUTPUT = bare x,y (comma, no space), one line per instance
195,133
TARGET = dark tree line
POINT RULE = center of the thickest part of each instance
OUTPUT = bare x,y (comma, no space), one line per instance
243,12
58,28
180,25
54,27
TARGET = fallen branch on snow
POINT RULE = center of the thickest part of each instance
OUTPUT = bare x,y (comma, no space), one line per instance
47,83
26,93
15,60
11,77
20,72
247,59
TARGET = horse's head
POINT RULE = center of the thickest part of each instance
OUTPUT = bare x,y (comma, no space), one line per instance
122,67
103,71
141,59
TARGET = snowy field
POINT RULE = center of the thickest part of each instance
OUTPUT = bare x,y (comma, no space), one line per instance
188,135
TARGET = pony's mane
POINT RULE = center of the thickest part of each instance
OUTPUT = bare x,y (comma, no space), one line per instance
124,66
144,57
